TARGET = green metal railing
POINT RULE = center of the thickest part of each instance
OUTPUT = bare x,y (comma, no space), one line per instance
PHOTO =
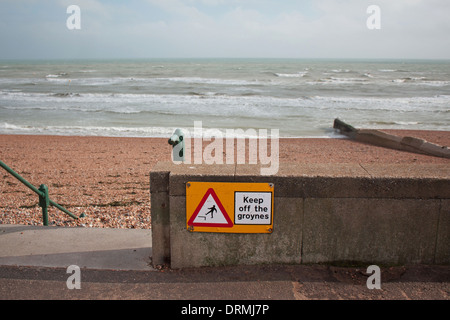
42,192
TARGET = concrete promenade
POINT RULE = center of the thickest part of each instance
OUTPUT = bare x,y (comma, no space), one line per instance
115,264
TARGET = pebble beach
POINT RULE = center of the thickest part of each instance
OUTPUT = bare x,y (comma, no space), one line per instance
108,178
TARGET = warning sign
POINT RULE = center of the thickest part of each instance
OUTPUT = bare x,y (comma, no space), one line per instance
229,207
253,208
210,213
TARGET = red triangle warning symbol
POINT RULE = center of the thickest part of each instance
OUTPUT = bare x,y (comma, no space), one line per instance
210,212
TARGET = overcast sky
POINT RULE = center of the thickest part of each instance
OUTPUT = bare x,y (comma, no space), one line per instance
36,29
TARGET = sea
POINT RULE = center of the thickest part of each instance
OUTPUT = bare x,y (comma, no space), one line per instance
152,98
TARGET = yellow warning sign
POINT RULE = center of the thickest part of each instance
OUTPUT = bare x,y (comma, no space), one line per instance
229,207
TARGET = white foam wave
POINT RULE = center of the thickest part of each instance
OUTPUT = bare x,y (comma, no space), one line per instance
214,81
208,104
161,80
435,83
341,71
291,75
406,123
391,70
419,81
8,128
157,132
339,81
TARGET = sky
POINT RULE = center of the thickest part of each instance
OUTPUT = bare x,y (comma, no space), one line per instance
113,29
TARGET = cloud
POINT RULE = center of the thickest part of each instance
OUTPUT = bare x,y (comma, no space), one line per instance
226,28
179,9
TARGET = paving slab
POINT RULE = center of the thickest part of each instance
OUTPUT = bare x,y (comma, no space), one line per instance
98,248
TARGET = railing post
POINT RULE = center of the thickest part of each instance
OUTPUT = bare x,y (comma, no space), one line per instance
44,203
44,199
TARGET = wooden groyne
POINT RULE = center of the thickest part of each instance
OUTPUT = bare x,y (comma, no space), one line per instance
383,139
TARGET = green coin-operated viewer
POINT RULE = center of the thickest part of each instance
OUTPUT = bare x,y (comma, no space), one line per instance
177,142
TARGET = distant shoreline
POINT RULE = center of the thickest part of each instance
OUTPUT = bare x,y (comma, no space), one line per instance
403,132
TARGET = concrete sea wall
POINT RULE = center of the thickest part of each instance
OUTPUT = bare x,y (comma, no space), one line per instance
382,214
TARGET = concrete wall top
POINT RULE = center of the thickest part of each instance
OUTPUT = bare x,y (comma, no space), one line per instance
417,181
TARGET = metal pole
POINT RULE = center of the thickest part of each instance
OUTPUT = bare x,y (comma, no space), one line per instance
44,202
63,209
18,177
